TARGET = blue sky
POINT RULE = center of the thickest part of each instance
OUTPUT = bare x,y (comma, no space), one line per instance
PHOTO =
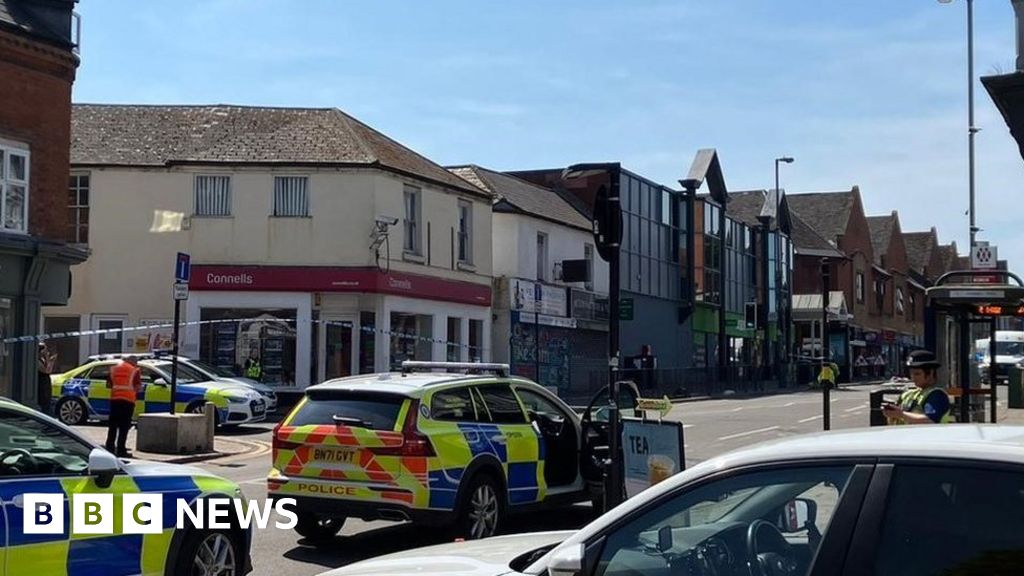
871,93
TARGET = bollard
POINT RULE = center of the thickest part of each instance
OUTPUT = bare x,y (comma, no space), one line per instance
210,410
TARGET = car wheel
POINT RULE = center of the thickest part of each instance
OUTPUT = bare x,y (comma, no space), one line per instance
211,553
482,510
317,529
72,411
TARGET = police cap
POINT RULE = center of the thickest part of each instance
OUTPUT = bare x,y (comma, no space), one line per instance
922,359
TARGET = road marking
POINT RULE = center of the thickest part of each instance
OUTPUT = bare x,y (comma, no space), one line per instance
749,433
737,409
811,419
254,481
788,405
685,426
854,409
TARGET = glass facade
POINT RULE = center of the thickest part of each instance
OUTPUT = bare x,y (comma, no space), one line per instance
654,238
266,338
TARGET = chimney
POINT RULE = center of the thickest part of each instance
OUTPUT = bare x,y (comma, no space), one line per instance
1018,9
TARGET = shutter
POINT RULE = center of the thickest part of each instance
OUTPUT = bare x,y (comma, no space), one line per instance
291,196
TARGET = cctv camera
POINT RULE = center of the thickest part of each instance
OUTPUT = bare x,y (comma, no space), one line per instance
387,220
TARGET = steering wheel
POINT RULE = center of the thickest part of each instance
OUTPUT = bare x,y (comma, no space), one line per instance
24,457
780,562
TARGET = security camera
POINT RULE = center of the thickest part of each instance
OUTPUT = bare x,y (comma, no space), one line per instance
387,220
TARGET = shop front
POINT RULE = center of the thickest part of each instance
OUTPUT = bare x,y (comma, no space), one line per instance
294,326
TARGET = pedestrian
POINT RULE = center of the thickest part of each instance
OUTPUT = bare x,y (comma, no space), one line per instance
125,383
925,403
646,363
46,364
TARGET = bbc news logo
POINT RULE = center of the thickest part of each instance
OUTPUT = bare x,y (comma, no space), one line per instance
94,514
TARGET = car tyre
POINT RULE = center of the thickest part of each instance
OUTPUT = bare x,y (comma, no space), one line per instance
317,529
72,411
211,552
482,510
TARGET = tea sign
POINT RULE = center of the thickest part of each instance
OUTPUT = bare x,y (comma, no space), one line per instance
652,452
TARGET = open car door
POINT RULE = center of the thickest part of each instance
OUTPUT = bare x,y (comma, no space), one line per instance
595,431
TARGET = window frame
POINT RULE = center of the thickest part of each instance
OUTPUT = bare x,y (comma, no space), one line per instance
412,242
7,149
481,387
308,196
472,400
464,248
230,195
78,229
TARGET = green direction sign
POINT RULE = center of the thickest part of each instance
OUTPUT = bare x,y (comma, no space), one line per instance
626,309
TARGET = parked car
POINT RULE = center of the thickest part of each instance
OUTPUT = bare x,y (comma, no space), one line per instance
906,501
209,371
82,394
39,454
436,448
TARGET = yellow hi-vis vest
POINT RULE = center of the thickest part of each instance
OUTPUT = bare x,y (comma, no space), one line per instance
913,401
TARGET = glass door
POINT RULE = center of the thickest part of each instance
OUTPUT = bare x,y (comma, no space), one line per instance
109,342
338,347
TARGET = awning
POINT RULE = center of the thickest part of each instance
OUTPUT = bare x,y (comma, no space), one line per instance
807,307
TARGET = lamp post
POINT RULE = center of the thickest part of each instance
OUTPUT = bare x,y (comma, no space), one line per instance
783,330
971,129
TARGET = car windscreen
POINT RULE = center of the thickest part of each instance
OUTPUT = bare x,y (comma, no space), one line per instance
369,410
186,375
211,369
1009,348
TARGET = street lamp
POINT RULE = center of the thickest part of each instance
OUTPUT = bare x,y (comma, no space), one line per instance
785,328
971,129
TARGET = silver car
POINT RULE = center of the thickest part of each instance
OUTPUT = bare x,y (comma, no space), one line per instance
906,501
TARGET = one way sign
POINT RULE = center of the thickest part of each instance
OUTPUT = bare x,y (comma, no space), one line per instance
182,268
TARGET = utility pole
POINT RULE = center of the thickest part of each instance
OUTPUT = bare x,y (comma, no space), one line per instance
825,349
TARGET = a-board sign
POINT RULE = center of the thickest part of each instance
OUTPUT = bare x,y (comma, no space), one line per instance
652,451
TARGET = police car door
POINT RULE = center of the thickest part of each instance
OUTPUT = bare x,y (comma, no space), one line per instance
37,457
98,395
515,442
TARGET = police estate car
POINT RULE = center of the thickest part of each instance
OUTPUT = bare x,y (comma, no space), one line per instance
436,448
40,455
82,393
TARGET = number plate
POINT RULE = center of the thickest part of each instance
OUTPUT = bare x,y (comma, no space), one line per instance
334,456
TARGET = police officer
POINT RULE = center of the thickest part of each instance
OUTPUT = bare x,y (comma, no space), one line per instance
253,368
125,383
925,403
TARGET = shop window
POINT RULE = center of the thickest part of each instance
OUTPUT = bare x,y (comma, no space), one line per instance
411,338
367,342
213,196
78,209
476,340
14,173
454,343
291,196
65,348
255,343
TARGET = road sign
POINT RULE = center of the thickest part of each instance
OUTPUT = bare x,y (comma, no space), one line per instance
607,223
180,291
626,309
660,405
182,268
984,257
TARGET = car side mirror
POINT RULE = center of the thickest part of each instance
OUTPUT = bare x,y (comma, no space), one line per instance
798,515
103,466
567,561
160,382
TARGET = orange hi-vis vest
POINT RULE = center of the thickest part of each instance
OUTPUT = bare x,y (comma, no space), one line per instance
122,377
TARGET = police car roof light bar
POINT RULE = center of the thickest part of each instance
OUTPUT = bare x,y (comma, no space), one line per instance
410,366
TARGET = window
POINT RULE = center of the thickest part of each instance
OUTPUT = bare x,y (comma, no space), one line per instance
913,308
78,209
588,255
465,232
367,409
900,309
34,448
101,372
537,404
291,196
213,196
502,404
454,405
454,339
411,338
542,256
412,220
797,502
476,340
859,287
951,520
14,172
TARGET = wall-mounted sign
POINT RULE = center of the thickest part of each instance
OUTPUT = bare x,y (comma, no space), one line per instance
652,452
530,296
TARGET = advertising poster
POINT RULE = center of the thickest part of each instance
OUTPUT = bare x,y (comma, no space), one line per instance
652,452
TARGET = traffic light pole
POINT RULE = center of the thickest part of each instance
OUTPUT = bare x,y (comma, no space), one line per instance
614,488
826,391
174,358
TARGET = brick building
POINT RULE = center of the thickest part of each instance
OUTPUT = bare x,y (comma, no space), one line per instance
38,61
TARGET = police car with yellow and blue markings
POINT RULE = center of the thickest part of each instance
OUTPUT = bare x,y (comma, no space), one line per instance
82,394
438,448
40,455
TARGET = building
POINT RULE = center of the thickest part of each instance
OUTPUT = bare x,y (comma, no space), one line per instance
319,246
1007,90
38,61
547,325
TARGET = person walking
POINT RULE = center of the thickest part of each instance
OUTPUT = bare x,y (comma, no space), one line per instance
125,383
925,403
46,364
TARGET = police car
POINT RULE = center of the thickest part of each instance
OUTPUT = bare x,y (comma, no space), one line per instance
82,393
434,448
40,455
208,371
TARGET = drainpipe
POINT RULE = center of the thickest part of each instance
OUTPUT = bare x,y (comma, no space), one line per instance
1018,9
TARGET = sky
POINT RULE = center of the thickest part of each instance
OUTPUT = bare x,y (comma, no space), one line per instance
870,93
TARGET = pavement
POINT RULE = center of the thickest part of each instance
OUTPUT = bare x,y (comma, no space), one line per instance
226,445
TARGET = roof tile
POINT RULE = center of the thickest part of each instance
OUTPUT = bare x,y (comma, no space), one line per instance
524,196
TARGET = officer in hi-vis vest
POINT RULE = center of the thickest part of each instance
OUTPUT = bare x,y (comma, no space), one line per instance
125,383
925,403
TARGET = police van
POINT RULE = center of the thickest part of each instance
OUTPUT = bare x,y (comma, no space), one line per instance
40,455
438,448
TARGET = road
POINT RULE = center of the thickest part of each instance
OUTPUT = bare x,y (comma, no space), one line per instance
712,427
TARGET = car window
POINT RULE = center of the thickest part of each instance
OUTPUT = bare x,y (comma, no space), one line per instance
29,447
538,404
148,375
101,372
950,520
708,525
454,405
186,374
361,409
502,404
